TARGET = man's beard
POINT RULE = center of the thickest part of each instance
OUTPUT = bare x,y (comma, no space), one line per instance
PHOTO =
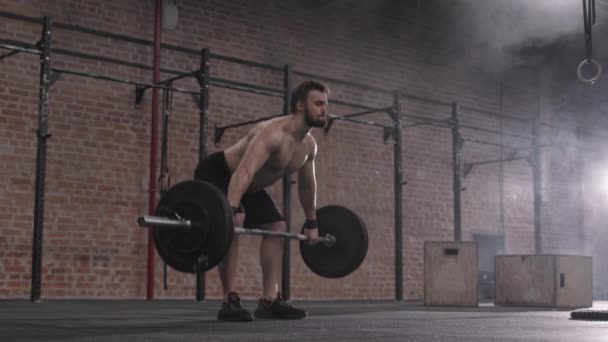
311,122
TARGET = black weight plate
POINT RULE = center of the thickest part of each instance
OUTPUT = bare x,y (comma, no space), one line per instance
212,226
596,315
350,249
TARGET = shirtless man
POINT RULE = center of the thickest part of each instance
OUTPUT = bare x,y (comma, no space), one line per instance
271,150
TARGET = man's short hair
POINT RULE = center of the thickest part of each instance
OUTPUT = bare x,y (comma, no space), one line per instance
301,92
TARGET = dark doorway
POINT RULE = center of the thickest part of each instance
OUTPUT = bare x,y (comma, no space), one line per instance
488,247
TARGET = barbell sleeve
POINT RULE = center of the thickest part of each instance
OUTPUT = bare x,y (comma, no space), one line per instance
169,223
163,222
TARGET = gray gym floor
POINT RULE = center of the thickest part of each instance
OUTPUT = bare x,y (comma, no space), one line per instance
328,321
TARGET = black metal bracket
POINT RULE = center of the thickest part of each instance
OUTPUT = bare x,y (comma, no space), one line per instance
43,137
512,153
330,122
467,168
55,76
460,141
218,133
197,100
530,160
389,132
394,114
200,77
140,90
14,52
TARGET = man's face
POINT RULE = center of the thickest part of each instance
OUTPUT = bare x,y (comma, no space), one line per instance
315,109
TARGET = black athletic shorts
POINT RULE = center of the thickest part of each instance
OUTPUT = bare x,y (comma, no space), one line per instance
259,208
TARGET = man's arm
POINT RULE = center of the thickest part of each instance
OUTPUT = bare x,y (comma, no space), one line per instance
307,185
258,150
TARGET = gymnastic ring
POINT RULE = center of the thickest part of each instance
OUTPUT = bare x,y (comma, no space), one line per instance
591,80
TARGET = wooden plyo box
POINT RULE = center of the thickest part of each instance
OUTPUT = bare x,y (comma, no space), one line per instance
548,280
450,273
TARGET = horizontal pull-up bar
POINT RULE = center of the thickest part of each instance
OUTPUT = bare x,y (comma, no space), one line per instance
145,42
219,130
346,118
213,81
468,167
246,87
14,52
16,49
135,40
421,120
180,76
351,104
117,80
249,122
373,110
343,82
483,142
497,161
496,114
369,111
488,130
246,62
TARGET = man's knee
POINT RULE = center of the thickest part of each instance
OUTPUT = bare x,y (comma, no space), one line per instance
239,219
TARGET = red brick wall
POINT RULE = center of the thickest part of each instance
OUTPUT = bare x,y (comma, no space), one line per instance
98,157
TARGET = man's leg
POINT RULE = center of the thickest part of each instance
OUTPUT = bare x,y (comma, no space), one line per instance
271,305
232,310
263,213
214,169
227,267
271,260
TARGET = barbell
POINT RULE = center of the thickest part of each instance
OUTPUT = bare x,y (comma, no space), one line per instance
163,222
193,224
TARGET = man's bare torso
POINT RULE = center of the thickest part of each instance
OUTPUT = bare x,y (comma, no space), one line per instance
289,158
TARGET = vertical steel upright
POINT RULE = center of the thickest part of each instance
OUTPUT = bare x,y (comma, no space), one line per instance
164,150
41,135
203,81
456,162
500,245
398,191
580,169
286,269
537,179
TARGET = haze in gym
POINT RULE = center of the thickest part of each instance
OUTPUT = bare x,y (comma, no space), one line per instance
451,156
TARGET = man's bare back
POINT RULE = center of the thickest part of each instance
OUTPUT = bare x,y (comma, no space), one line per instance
288,155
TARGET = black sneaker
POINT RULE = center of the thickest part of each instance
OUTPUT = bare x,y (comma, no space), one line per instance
233,310
277,309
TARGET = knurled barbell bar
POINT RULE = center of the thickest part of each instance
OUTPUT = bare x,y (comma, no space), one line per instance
193,224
